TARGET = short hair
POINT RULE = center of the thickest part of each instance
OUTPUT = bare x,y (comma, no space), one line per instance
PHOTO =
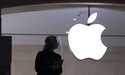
50,39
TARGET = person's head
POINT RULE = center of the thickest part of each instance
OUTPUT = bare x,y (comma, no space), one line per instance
51,42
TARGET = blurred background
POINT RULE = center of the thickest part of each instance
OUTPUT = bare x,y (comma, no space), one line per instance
29,25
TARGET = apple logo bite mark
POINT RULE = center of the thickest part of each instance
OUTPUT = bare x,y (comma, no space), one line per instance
85,41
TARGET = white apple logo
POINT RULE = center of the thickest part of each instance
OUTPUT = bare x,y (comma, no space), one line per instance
85,41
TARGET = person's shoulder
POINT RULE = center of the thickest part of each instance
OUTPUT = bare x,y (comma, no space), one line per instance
40,53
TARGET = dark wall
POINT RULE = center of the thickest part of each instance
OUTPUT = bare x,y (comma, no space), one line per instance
5,55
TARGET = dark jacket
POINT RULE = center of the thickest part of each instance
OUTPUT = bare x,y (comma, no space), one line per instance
46,63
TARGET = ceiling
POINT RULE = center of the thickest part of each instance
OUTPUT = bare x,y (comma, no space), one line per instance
12,3
48,20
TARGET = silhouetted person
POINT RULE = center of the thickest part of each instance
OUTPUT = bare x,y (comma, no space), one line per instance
47,61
